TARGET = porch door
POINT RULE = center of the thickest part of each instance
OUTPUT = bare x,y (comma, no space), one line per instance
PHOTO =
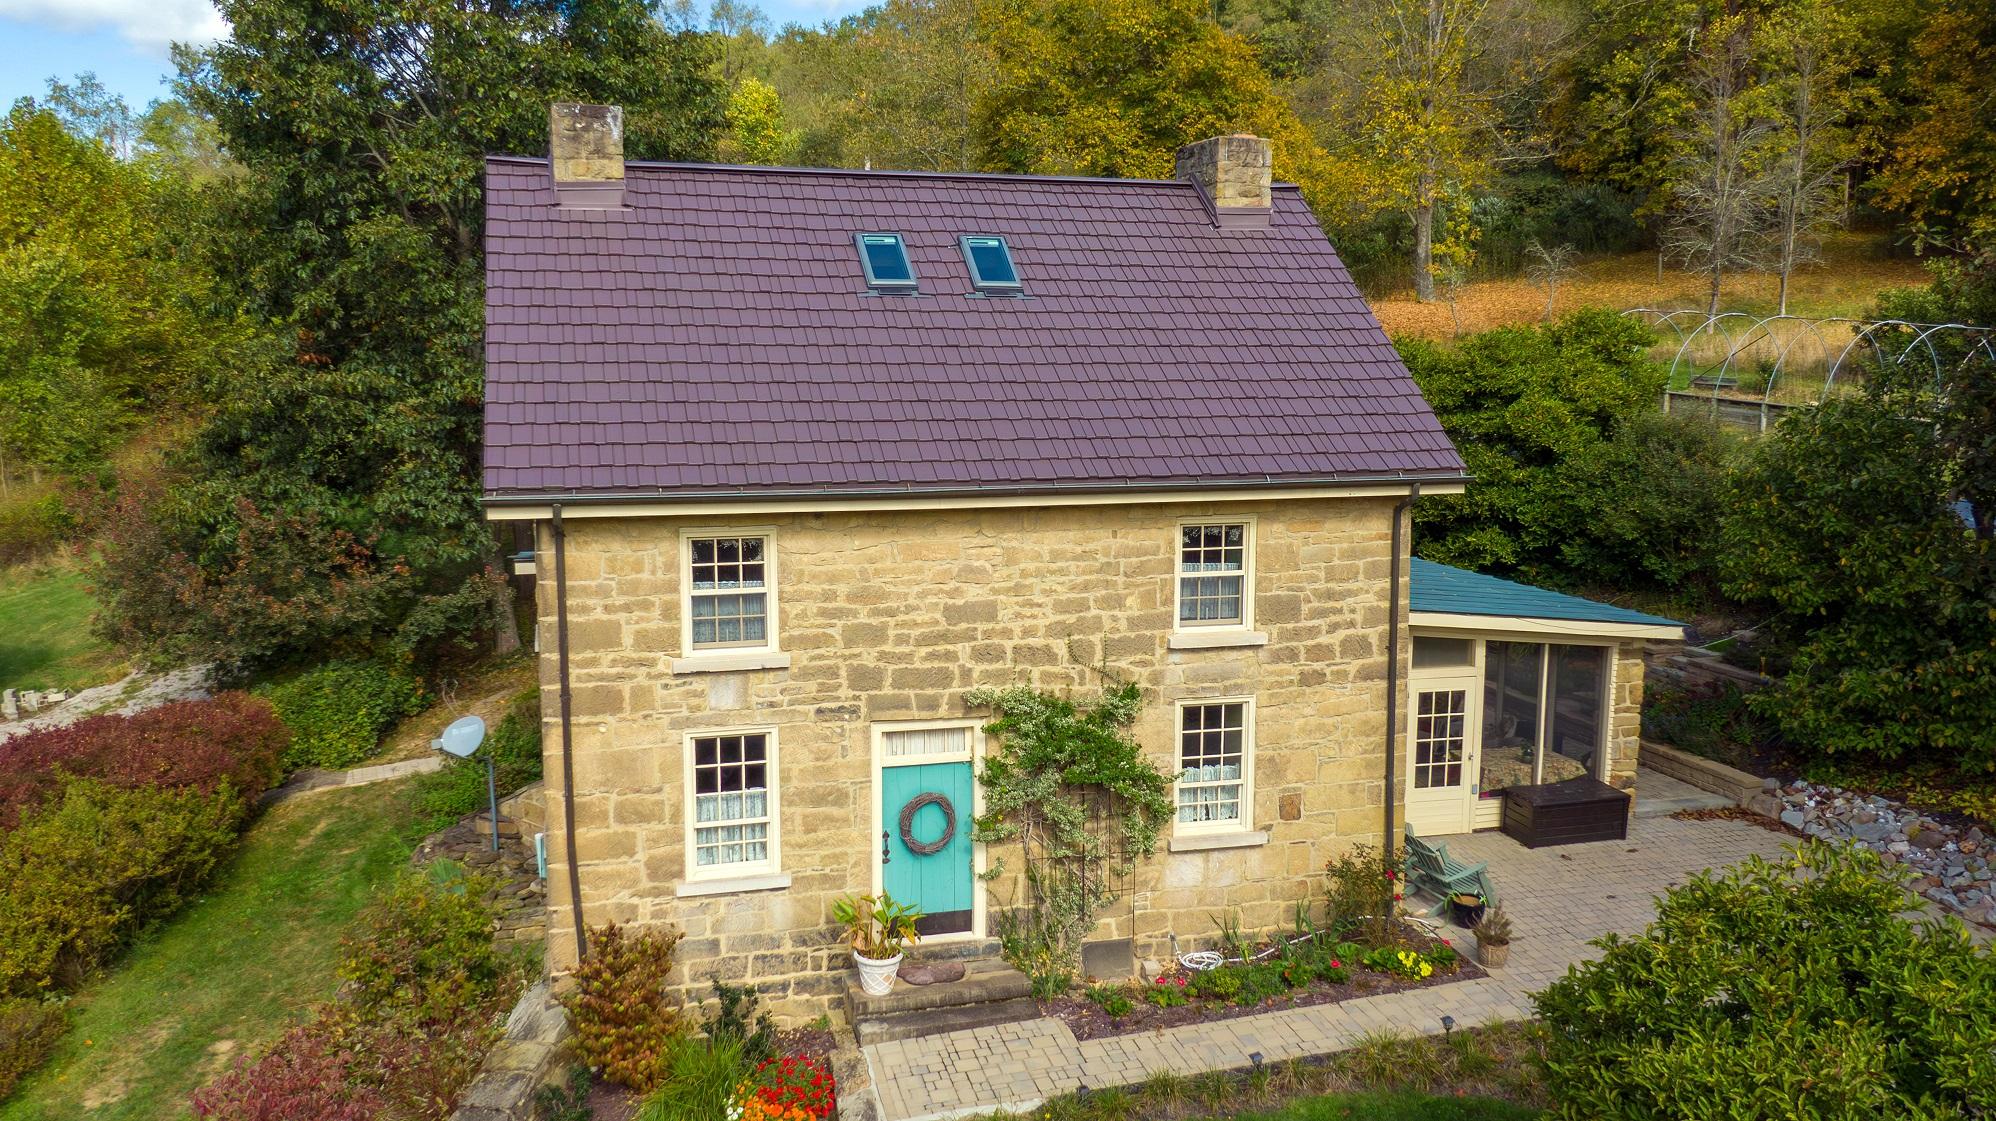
927,797
1441,753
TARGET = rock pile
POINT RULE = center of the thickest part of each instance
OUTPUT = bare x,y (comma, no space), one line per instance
1951,867
519,895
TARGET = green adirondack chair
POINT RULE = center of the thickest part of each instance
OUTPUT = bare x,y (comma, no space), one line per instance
1430,868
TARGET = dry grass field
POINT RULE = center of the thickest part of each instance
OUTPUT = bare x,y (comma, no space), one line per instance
1855,268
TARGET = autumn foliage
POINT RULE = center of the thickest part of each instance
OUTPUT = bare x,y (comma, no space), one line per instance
232,739
622,1016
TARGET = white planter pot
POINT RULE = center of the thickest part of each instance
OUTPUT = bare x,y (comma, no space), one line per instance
876,978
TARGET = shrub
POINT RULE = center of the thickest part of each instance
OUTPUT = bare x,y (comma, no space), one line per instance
1359,896
1223,982
1113,1000
338,711
308,1073
95,864
1794,988
444,796
29,1031
32,526
232,739
736,1019
424,948
624,1021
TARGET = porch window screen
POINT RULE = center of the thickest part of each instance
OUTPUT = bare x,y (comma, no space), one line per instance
1212,575
731,780
1212,752
729,597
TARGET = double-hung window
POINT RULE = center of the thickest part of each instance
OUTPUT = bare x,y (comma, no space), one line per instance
1215,574
1216,766
730,593
732,827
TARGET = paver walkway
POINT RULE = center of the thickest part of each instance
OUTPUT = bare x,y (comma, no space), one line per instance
1559,899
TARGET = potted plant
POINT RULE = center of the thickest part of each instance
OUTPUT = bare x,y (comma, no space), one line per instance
1493,937
879,930
1467,908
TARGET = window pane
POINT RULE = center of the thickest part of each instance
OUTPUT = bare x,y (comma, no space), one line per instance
990,261
1511,687
1432,652
731,800
886,259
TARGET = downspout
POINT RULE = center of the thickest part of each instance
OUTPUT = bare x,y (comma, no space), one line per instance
567,735
1393,666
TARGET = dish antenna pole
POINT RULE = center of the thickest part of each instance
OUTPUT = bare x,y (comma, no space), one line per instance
461,741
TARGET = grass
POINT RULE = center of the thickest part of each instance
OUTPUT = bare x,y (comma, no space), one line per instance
45,614
1476,1074
1853,271
229,973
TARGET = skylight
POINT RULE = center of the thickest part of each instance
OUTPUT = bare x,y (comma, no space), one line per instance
885,260
990,261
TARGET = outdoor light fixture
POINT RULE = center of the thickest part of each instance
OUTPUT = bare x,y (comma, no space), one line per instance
461,741
1448,1024
1255,1058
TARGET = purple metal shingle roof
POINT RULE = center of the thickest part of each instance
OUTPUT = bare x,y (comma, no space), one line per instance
717,336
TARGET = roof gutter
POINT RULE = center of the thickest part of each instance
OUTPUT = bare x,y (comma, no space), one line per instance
714,494
1400,509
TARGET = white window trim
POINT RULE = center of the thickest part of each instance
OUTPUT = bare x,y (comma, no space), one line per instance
733,656
1244,628
757,871
974,755
1245,825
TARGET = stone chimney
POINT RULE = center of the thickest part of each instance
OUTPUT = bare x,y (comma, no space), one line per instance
1233,175
586,150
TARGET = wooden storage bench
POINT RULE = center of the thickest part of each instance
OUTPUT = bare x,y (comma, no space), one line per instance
1566,813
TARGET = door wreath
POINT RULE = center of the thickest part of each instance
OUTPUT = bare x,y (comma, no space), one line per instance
930,798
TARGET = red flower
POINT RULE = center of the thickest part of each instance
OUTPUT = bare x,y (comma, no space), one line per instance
1396,896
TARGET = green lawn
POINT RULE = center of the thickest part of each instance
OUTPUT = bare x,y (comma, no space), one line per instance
48,643
229,973
1395,1106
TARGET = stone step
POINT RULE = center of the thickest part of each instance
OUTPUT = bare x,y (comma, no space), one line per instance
991,992
930,1021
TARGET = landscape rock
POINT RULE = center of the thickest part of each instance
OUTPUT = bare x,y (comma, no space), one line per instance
1792,818
1948,866
930,972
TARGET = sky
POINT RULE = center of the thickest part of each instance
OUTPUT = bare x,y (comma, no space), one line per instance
125,41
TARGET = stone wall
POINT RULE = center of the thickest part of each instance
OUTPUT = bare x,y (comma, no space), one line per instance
894,616
1625,720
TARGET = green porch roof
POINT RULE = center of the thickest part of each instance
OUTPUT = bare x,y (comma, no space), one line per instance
1444,590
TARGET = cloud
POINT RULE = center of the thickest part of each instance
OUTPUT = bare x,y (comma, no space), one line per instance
148,25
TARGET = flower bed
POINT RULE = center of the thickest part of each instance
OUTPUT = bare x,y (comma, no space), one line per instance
1311,971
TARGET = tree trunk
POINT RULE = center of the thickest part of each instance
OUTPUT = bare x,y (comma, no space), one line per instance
1712,304
1424,253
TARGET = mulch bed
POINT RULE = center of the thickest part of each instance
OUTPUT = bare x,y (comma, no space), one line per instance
1739,813
1087,1020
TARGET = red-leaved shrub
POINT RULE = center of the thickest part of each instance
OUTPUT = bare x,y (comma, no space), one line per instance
307,1076
198,745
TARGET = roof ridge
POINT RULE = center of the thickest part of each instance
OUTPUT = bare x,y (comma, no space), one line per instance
879,173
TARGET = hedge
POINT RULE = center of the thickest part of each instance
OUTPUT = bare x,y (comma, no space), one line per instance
1793,990
338,711
29,1031
232,740
93,866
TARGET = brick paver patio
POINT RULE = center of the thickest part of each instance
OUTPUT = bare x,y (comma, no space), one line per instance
1559,899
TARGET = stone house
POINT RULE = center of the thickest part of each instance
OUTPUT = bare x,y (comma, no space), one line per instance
806,455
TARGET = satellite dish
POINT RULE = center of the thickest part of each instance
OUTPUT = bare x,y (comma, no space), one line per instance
462,737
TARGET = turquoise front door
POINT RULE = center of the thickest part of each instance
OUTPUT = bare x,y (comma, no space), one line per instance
936,874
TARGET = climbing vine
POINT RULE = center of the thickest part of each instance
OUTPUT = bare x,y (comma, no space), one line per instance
1072,787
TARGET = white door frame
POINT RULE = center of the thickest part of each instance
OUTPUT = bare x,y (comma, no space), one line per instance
876,736
1445,811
